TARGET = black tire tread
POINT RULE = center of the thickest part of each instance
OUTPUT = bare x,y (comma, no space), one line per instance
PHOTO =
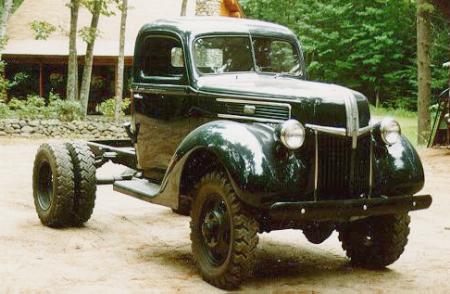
245,238
85,181
60,212
391,238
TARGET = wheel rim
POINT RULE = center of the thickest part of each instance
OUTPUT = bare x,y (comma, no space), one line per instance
45,185
215,230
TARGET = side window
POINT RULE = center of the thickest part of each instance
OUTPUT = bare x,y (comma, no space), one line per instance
162,57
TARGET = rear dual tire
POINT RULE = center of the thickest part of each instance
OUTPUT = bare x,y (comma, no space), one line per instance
64,184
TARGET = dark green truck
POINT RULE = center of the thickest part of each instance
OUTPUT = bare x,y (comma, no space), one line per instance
227,129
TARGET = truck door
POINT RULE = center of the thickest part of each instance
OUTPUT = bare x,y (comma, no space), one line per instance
161,102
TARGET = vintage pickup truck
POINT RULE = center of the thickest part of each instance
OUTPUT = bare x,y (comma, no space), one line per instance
225,127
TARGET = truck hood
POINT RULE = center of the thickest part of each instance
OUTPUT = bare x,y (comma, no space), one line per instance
312,102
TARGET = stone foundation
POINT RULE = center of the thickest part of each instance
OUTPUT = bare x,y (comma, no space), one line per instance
100,128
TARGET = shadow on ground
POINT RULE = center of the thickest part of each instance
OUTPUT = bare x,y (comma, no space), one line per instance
276,263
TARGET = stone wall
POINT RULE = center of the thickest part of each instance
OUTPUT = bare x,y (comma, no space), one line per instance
98,128
208,7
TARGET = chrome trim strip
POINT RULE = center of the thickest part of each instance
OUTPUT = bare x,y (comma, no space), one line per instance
257,119
316,165
328,130
176,90
341,131
239,96
150,91
365,130
242,101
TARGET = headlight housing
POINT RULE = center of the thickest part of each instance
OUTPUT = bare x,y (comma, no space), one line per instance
292,134
390,131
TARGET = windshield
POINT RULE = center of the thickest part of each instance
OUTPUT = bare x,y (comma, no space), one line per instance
217,55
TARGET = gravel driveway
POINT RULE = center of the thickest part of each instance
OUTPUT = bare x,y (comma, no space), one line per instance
132,246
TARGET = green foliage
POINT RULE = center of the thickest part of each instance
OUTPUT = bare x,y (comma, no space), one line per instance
5,112
88,34
65,110
56,80
103,5
30,108
97,82
107,108
35,107
4,84
18,79
42,29
366,45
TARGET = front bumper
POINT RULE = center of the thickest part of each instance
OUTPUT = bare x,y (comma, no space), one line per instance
344,210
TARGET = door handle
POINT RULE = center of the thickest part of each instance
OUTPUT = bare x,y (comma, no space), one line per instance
138,96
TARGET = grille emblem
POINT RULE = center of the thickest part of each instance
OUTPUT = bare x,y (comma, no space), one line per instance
249,109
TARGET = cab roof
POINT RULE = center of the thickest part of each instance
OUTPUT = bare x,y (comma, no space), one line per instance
196,26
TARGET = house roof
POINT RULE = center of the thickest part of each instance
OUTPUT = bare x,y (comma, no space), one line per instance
22,41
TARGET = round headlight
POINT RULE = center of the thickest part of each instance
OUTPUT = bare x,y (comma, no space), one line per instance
390,131
292,134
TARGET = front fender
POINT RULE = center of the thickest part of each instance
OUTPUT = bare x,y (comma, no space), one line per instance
399,170
259,167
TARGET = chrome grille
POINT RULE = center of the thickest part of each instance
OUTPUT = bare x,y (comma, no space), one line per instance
260,109
340,176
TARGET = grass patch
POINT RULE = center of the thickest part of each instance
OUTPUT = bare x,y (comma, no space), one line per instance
407,120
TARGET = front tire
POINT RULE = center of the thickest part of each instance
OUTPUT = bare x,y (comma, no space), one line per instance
223,233
53,185
375,242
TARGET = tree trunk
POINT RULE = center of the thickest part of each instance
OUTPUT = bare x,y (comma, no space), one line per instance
7,8
121,61
184,7
72,72
89,58
424,69
377,98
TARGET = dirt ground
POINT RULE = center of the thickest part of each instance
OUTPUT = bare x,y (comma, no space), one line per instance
131,246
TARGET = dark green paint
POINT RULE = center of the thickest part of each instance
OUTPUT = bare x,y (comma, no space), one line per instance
263,172
398,169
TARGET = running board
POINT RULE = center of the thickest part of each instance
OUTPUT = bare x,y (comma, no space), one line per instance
138,188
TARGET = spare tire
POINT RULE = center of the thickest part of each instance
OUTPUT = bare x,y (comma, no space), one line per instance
53,185
85,181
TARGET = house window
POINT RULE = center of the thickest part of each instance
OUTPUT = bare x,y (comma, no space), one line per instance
162,57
